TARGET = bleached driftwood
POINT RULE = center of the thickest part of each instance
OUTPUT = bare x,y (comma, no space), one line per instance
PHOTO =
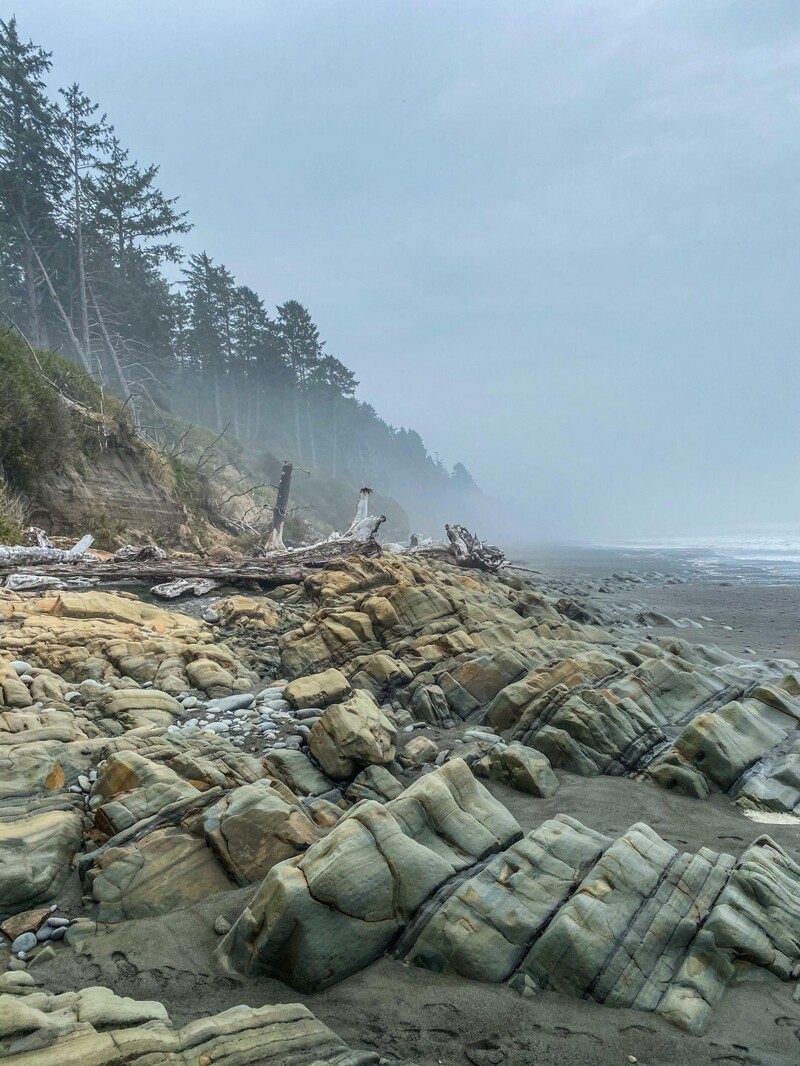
285,568
463,548
364,525
183,586
131,554
32,583
36,556
469,550
37,537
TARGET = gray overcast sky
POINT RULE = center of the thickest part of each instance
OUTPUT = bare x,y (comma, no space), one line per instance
559,239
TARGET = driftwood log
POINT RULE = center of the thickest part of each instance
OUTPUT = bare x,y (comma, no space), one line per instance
185,586
470,551
284,568
34,555
464,549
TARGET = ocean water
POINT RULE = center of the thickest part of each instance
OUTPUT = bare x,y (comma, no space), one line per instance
769,556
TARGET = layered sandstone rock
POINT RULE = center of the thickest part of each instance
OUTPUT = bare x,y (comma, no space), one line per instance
352,735
93,1025
321,917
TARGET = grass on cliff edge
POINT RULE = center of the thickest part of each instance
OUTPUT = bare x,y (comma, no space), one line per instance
38,430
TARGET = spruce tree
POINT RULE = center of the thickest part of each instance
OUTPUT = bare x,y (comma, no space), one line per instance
32,167
302,350
128,211
84,137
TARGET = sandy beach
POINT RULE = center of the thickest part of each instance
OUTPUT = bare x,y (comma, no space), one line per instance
410,1015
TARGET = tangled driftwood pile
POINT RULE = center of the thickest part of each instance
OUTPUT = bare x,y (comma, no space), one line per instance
41,565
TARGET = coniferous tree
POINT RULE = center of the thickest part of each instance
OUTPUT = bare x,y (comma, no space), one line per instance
84,137
336,383
209,293
32,168
302,350
128,211
85,234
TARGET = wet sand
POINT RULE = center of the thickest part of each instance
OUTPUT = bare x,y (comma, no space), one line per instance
406,1013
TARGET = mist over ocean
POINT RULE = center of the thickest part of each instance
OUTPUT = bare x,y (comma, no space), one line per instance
766,556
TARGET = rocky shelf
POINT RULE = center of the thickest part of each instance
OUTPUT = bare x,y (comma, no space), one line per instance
343,762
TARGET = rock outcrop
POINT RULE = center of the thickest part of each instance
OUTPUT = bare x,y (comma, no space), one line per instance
93,1025
327,752
321,917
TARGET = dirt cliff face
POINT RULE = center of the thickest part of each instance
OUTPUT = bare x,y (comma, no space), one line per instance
112,491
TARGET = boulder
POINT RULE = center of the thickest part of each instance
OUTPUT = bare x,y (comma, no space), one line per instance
164,871
253,828
211,678
297,772
117,607
722,744
132,787
135,707
251,612
37,848
418,751
375,783
317,690
322,916
524,769
352,735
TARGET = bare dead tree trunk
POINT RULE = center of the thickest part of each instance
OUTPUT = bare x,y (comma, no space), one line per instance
364,526
274,541
112,354
62,313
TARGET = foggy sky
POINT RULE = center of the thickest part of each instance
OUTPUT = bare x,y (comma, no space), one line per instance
559,239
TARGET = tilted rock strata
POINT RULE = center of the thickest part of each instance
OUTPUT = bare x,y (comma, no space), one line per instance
350,865
320,917
96,1026
630,923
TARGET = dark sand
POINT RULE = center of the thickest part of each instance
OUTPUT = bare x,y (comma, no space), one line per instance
764,618
406,1013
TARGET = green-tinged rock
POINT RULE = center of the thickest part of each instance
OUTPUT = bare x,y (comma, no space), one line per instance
320,917
253,828
418,751
164,871
524,769
36,853
317,690
352,735
132,788
297,772
375,783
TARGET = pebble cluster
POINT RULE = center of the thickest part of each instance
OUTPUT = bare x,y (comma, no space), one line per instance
256,722
39,928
